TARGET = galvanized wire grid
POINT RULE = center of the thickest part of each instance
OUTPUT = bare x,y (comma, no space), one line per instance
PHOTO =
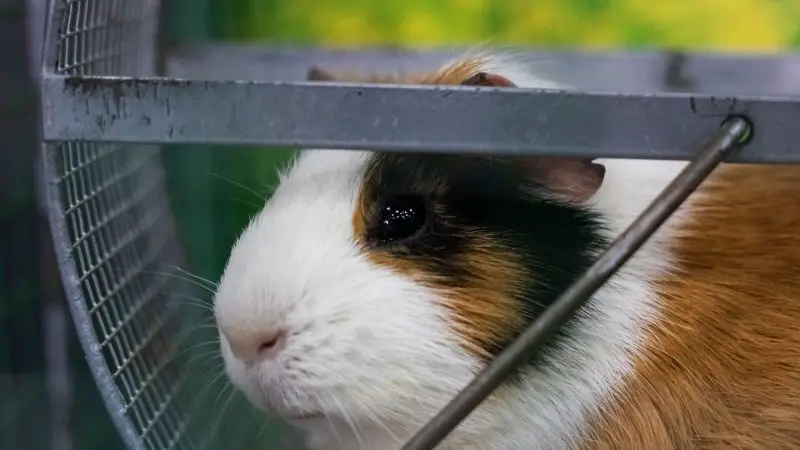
107,37
152,356
120,237
117,218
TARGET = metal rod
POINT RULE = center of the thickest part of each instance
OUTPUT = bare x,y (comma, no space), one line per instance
734,131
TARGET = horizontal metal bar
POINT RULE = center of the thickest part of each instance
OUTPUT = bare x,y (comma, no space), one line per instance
405,118
713,152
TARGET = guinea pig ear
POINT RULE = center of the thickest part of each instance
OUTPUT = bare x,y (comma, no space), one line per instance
574,179
318,74
487,79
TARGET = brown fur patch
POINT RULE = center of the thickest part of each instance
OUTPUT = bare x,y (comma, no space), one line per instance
721,369
484,307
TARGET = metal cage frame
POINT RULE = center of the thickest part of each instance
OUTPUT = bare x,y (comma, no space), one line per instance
67,261
725,126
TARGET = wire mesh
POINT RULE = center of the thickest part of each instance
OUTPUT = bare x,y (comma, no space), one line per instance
107,37
152,356
117,219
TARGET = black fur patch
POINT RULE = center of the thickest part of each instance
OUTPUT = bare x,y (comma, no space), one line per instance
470,196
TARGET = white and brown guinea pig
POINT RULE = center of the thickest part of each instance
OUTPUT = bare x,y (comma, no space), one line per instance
373,286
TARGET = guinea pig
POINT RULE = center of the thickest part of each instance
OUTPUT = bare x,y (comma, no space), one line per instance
373,286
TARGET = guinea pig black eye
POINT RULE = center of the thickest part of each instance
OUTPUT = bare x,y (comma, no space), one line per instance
401,217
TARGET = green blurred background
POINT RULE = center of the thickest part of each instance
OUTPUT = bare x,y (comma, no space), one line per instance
212,210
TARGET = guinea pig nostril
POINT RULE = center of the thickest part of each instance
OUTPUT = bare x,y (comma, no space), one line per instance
253,347
266,345
271,344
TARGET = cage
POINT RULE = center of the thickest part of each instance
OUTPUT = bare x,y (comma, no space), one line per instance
108,109
118,246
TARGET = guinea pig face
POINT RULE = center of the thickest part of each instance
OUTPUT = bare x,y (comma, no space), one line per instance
373,286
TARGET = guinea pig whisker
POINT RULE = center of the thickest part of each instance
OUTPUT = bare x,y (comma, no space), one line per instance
219,369
197,345
194,358
191,303
325,413
260,432
207,387
177,277
196,277
214,428
228,390
239,185
184,334
373,418
247,202
349,422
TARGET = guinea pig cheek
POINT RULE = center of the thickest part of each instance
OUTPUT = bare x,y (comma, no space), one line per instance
481,287
487,303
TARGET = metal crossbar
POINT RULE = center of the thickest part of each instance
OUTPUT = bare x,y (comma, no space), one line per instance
403,118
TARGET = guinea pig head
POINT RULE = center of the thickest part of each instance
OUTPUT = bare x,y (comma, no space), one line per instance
373,286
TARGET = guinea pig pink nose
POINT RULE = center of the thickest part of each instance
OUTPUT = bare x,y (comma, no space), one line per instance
254,347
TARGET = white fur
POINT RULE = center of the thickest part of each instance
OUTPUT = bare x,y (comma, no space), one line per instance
374,349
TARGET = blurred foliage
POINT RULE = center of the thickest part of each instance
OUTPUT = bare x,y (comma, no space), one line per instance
751,25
